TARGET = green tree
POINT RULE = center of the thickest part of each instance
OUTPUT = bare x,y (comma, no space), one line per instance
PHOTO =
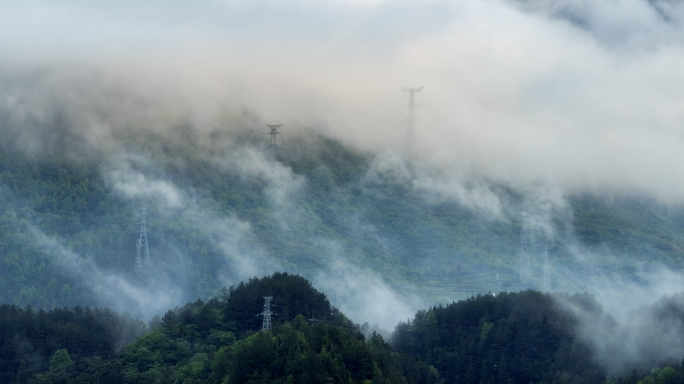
667,376
60,360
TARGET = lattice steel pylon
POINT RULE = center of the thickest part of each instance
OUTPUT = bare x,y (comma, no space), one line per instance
272,145
547,271
525,267
143,247
410,141
499,281
266,324
138,259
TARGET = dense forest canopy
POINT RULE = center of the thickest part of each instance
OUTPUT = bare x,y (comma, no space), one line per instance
524,337
29,338
217,342
508,338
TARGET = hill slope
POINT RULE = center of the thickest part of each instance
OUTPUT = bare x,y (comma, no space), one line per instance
222,212
217,342
506,338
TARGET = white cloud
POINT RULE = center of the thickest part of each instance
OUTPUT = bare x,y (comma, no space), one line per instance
519,92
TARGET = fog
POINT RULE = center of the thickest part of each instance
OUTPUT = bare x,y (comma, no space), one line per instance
525,105
580,95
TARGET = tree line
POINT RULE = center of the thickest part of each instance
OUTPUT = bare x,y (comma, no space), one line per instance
523,337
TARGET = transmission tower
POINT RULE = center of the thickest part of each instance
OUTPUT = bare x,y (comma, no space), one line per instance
138,259
267,313
143,248
409,143
547,270
499,281
272,146
525,268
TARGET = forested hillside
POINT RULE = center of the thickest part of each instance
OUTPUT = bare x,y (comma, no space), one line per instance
525,337
532,337
29,338
221,211
219,342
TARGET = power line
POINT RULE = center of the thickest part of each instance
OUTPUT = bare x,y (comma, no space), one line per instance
463,277
334,121
237,126
273,131
379,121
363,126
364,112
338,120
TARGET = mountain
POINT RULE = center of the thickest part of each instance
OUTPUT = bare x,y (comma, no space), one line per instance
218,211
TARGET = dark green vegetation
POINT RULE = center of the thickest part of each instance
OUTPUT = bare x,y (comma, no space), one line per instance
525,337
280,217
218,342
29,338
667,375
532,337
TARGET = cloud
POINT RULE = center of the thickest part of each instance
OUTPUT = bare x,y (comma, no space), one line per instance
581,96
114,290
646,333
363,294
134,184
253,163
